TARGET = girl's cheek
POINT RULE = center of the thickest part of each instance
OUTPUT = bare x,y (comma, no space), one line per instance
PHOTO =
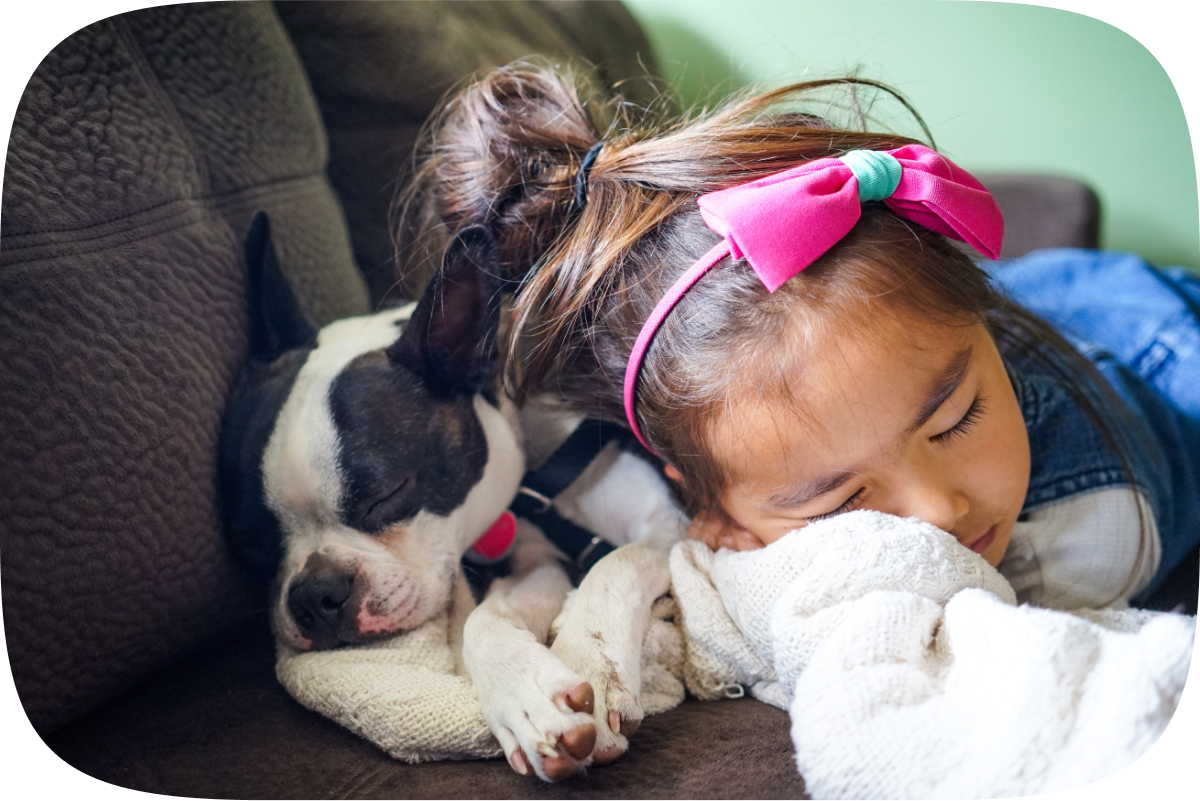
717,533
746,541
707,529
997,473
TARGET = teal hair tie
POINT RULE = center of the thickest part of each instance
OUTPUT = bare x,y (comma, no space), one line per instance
878,173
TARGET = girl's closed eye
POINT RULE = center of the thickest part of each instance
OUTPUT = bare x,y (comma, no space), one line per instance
849,505
972,416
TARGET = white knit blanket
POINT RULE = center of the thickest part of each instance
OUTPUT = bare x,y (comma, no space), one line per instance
405,695
910,673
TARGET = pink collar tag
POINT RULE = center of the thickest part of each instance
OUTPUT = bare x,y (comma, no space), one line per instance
497,541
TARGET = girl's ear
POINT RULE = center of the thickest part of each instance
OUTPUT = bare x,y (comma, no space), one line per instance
673,473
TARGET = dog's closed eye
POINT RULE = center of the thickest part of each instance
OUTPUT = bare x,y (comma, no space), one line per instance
377,512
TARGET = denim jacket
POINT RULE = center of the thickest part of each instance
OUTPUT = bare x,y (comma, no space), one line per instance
1141,330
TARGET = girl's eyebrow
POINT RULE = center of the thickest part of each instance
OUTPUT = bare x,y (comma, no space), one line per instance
947,383
801,494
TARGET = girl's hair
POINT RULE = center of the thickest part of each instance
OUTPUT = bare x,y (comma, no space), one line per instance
506,151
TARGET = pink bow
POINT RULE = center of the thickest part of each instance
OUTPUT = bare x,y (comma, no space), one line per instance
784,222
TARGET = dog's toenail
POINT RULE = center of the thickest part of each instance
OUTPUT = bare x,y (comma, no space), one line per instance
614,721
582,699
557,769
579,741
547,751
519,763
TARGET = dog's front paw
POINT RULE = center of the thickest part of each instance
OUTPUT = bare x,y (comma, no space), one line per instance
613,668
536,743
543,717
539,710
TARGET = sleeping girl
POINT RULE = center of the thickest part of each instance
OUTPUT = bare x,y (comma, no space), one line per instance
784,312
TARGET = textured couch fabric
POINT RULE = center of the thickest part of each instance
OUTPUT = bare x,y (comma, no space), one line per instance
141,149
379,69
222,727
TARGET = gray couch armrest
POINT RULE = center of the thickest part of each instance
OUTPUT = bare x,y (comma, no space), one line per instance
1044,211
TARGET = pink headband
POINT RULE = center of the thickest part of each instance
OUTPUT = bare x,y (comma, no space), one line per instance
784,222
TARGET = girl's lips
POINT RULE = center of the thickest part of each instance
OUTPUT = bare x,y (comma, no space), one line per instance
983,543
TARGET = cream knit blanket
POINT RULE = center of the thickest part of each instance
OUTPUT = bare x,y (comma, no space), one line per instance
910,673
405,696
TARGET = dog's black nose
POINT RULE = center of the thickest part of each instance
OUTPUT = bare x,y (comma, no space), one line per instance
317,603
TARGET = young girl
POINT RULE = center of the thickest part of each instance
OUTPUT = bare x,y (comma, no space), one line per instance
779,310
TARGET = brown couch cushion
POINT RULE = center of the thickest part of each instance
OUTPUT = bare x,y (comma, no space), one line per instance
220,726
141,148
379,68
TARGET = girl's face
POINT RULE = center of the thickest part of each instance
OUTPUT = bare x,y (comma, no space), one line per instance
914,419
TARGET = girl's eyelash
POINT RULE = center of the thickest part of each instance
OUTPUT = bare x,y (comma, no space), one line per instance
961,428
850,503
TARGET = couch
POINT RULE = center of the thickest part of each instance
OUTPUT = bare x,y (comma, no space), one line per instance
141,148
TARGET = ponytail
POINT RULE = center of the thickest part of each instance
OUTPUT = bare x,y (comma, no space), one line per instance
504,152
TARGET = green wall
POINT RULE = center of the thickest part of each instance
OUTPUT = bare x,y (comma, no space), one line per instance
1003,87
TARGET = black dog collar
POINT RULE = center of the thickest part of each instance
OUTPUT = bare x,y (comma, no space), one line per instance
540,487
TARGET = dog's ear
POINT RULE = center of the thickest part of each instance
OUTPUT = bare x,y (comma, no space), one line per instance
451,338
278,324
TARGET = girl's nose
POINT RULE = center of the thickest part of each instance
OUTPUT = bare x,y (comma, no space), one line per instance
936,499
943,510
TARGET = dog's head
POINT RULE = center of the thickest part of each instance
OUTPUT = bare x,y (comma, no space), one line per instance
360,462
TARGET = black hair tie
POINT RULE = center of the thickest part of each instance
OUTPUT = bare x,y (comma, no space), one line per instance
581,180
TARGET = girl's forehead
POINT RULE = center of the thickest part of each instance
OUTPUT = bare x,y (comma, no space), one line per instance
844,400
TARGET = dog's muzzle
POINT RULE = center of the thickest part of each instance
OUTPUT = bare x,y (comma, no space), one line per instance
319,599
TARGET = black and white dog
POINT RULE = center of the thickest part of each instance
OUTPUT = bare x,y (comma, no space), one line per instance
359,463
